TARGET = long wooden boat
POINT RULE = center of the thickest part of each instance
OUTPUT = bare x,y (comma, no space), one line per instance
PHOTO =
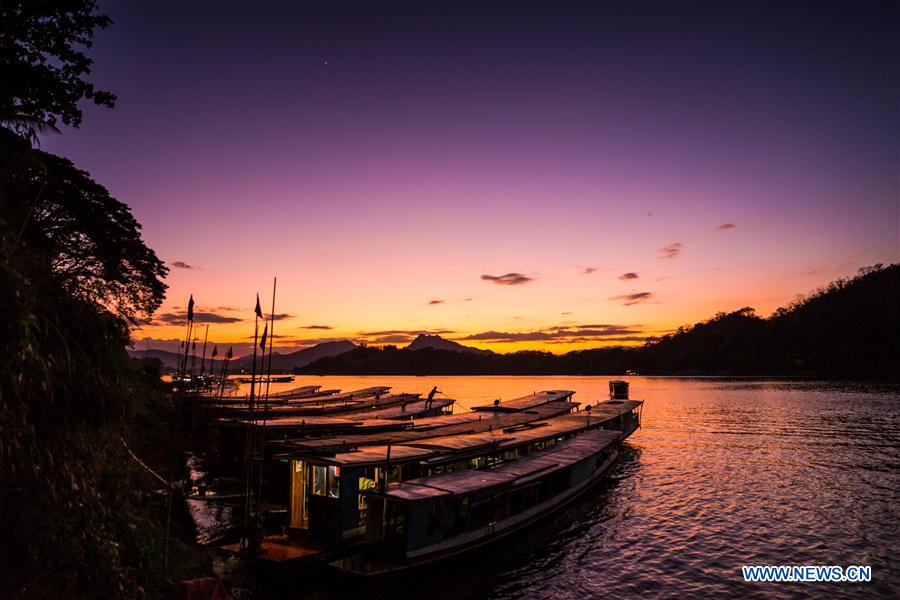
263,379
329,477
433,518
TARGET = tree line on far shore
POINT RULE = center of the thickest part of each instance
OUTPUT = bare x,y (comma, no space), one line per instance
848,329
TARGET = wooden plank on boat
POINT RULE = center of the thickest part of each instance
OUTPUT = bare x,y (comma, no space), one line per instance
468,481
457,424
526,402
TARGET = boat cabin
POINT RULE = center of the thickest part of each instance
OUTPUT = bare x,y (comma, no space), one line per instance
436,517
328,493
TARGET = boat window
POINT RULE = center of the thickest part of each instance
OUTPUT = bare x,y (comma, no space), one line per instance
334,482
319,480
362,502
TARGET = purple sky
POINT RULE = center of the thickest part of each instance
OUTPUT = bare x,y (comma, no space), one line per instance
380,158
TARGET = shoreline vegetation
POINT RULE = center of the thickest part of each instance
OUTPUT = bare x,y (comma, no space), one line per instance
79,517
845,330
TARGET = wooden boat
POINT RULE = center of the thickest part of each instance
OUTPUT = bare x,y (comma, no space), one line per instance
328,479
263,379
329,474
433,518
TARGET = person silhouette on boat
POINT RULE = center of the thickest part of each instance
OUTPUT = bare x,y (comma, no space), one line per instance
431,394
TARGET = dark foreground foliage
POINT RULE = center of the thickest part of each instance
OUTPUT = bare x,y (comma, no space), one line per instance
79,517
848,329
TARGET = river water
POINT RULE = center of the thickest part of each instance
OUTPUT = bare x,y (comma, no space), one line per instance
724,473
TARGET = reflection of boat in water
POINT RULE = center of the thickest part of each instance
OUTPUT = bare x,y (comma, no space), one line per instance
262,379
433,518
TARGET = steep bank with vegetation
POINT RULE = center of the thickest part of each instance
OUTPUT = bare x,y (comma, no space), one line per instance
847,329
78,516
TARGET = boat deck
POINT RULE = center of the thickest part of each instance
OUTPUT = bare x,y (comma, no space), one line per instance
420,429
280,548
468,481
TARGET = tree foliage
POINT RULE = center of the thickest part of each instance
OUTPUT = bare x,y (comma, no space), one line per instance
77,517
43,63
62,220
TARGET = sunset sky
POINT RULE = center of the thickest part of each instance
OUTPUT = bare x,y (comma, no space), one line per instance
533,175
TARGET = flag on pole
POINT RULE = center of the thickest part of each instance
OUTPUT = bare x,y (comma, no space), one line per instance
191,308
262,342
215,351
194,345
258,309
229,354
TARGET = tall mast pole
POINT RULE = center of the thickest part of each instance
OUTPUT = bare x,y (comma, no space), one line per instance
203,360
268,381
248,442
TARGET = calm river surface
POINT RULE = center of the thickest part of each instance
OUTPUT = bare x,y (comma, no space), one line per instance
724,473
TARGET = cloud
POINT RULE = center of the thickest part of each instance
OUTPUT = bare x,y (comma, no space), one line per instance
408,332
725,226
276,336
588,270
508,279
180,318
393,339
432,302
635,298
178,264
562,334
627,276
281,316
565,313
323,327
671,251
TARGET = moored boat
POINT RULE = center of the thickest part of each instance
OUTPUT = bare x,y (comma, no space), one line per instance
433,518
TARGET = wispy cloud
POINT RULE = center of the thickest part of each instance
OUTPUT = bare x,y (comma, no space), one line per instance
671,251
627,276
636,298
588,270
179,318
562,334
726,226
433,302
178,264
281,316
323,327
508,279
393,339
413,332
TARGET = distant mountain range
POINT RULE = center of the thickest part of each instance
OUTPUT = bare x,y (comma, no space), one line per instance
281,363
436,342
847,329
284,363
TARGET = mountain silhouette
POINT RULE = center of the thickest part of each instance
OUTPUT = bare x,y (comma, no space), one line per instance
436,342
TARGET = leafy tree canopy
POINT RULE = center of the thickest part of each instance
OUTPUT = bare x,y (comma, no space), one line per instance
43,64
90,242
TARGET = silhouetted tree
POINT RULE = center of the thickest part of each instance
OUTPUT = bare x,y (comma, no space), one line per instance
42,63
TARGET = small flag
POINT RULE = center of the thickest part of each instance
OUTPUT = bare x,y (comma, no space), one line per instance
229,354
262,342
215,351
258,309
194,345
182,343
191,308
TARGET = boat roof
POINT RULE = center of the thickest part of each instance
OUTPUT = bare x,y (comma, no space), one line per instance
449,448
469,481
526,402
430,427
